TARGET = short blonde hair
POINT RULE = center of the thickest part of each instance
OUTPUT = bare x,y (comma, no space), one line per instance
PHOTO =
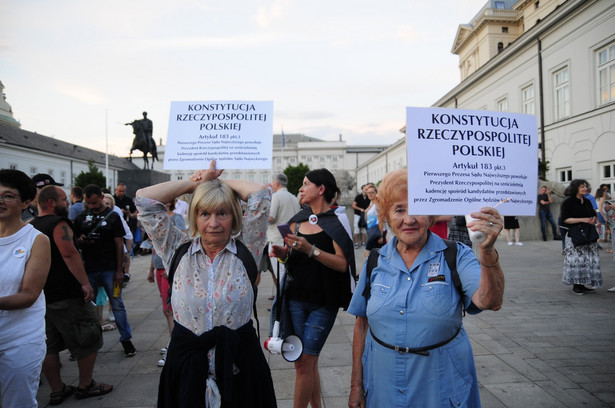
110,197
211,196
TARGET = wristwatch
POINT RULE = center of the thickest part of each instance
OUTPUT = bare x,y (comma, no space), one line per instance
315,252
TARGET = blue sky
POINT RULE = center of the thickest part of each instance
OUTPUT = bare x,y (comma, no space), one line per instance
79,70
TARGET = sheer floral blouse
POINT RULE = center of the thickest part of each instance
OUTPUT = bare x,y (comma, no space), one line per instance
209,292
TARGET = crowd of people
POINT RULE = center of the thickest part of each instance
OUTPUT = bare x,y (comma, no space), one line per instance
65,258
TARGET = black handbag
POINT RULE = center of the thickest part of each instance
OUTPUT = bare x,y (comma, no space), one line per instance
582,234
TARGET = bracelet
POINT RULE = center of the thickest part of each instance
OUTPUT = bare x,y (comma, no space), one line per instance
283,261
496,263
311,252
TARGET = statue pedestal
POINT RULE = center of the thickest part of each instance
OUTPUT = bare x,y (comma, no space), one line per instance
136,179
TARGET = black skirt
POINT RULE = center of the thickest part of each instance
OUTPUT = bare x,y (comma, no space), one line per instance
511,223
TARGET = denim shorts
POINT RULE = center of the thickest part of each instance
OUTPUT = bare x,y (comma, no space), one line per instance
312,324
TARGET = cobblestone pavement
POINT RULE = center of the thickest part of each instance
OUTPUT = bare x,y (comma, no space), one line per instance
546,348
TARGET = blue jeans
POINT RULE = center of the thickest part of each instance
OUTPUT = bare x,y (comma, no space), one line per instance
311,324
105,279
544,217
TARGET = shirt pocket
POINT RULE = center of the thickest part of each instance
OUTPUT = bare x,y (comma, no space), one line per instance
378,296
437,297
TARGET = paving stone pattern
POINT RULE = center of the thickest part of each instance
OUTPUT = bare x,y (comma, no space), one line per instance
546,348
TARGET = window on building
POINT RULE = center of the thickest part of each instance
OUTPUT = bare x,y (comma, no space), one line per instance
292,159
503,105
13,166
33,171
500,47
278,160
50,172
504,29
322,159
561,82
309,159
606,74
537,4
528,100
500,5
334,158
607,175
564,175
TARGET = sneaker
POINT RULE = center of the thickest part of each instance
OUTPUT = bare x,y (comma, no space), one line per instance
163,360
111,317
520,243
163,350
510,243
356,246
611,290
587,290
577,290
129,349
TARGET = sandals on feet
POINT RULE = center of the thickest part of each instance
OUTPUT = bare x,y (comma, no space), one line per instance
108,327
93,390
56,398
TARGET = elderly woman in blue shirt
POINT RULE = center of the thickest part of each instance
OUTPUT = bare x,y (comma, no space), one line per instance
413,305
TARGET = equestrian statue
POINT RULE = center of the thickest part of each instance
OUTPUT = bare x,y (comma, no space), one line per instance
142,129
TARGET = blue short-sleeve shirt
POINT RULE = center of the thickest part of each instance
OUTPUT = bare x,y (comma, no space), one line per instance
418,307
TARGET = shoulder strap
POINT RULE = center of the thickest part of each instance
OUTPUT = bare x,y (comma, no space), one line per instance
243,253
177,256
372,262
249,263
450,255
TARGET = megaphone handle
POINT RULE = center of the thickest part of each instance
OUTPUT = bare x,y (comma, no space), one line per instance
475,236
278,291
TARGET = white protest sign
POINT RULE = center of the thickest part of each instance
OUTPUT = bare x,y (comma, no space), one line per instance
237,134
462,160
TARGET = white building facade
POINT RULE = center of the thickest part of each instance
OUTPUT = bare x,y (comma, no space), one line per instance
551,58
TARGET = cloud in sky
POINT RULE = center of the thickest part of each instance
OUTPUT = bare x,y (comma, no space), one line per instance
80,70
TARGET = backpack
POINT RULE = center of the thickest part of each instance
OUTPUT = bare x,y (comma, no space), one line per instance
242,253
450,255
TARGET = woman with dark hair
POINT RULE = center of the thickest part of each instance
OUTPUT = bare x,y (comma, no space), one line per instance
25,256
581,263
319,259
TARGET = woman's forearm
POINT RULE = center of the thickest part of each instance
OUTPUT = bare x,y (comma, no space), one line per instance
244,188
167,191
490,293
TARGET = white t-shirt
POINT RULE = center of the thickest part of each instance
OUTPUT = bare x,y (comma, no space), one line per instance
22,326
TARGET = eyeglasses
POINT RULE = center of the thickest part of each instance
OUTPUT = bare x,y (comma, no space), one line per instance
8,197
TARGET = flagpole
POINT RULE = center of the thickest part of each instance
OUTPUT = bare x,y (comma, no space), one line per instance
107,149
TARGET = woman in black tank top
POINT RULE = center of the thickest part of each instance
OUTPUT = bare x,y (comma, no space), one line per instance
318,282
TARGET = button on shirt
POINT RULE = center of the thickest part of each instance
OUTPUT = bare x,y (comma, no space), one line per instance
206,292
417,307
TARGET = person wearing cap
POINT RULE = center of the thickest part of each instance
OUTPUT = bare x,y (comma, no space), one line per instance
40,180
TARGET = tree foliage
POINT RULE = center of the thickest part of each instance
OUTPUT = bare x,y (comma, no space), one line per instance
93,176
295,176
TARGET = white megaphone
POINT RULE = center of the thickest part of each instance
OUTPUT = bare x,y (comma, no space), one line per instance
475,236
291,347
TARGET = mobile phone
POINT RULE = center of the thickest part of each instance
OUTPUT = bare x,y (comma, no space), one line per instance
284,230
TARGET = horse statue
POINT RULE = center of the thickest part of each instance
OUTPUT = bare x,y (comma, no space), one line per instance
143,142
